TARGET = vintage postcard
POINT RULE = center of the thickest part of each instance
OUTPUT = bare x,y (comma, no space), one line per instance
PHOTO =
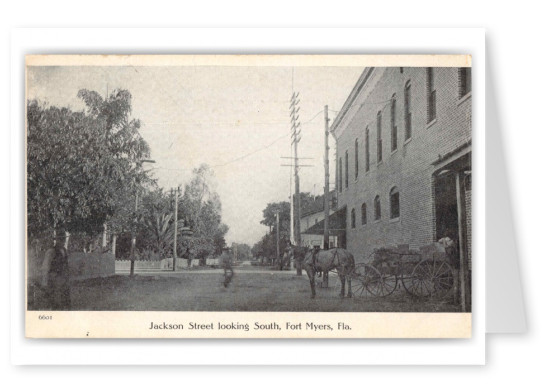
248,196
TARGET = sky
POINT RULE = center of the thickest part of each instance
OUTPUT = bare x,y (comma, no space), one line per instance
233,118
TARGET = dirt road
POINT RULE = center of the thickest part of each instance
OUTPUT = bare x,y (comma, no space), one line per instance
249,291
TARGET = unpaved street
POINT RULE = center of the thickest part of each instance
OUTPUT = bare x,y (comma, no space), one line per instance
250,290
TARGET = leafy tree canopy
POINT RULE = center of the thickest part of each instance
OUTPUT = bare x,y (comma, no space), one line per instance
202,210
82,165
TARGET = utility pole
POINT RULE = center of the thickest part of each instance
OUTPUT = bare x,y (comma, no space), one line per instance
292,207
135,222
326,189
291,197
296,128
133,241
277,240
174,250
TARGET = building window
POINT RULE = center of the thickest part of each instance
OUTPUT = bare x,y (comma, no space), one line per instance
407,110
431,96
377,208
364,214
353,218
464,81
394,203
393,127
367,149
346,170
356,159
340,174
379,137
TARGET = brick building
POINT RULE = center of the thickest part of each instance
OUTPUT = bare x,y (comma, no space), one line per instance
404,158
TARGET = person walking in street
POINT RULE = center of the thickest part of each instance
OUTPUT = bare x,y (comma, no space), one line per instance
226,263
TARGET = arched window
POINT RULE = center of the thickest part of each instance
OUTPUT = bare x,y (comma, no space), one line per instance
379,137
356,159
377,208
364,214
394,203
353,218
407,110
346,170
366,149
393,127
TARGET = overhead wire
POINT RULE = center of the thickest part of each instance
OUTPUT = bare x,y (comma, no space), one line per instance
240,124
253,152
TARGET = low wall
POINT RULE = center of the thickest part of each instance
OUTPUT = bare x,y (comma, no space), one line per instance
81,265
91,265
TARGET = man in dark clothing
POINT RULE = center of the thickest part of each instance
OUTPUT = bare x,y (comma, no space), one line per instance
451,246
55,279
226,263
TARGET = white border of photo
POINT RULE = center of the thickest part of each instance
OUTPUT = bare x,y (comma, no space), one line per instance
249,41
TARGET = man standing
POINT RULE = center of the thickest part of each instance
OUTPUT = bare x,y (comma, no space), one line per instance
450,246
226,263
55,279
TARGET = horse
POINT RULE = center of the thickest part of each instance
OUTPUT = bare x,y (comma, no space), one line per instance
324,261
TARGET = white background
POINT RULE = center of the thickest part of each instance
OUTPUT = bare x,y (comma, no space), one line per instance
518,56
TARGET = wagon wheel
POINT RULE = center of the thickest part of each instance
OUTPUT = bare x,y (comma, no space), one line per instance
365,279
389,280
430,278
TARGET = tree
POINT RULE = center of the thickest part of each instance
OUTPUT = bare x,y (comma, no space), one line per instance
202,208
155,223
218,239
242,251
80,165
269,213
266,247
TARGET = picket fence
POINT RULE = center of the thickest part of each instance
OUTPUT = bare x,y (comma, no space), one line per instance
164,264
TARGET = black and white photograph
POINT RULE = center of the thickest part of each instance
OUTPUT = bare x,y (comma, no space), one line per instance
249,184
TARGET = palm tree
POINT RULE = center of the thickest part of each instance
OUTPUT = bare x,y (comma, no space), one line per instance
159,228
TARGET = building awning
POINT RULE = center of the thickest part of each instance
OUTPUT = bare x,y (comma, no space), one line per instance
337,224
456,160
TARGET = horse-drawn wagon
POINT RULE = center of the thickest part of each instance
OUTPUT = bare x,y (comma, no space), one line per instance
422,273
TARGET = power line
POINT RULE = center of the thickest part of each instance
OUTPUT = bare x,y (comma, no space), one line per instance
310,120
228,123
253,152
234,124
